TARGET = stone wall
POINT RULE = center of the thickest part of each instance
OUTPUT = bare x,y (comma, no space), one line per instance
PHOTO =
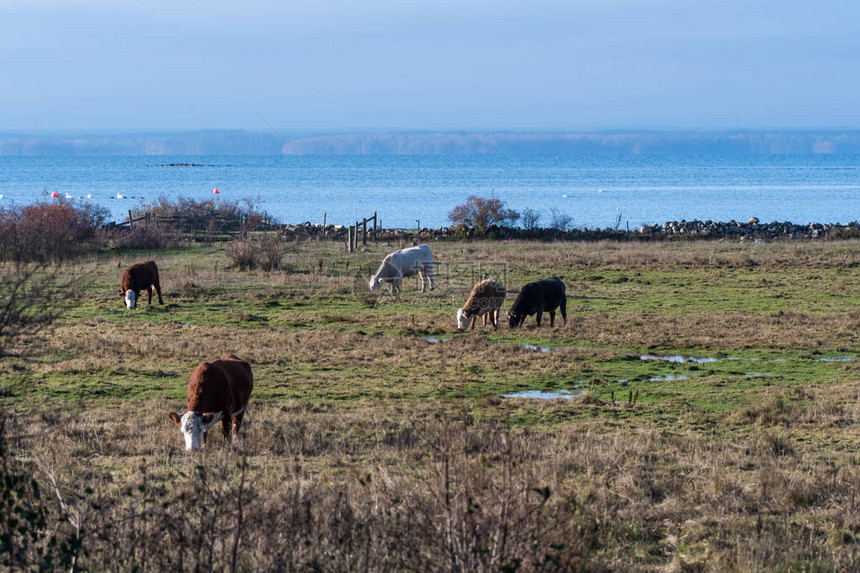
752,230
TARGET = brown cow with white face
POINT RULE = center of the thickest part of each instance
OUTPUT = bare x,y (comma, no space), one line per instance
138,277
218,390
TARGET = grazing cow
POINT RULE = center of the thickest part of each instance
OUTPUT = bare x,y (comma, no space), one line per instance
404,263
486,300
136,278
217,390
538,297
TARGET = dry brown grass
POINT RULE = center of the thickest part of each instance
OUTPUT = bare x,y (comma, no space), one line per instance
435,488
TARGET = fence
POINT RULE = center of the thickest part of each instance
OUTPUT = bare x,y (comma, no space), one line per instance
352,233
198,226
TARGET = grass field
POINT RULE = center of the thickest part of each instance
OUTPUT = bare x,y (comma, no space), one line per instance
708,418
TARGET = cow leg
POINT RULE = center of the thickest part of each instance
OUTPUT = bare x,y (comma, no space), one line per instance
474,320
538,317
158,290
564,310
149,292
429,271
226,426
237,422
494,319
395,285
422,274
552,318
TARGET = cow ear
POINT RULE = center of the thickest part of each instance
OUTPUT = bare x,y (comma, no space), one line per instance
176,418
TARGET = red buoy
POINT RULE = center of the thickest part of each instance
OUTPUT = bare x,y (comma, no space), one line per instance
216,191
55,194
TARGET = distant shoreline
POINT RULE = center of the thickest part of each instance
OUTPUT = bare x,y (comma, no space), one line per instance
239,142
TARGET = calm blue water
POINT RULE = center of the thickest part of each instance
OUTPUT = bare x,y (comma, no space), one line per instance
592,190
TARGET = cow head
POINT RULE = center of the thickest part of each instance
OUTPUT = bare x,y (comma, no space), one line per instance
130,299
375,283
514,320
462,319
194,426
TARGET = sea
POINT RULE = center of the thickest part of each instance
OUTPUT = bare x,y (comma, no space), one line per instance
408,191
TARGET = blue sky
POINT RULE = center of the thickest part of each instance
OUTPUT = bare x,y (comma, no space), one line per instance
467,64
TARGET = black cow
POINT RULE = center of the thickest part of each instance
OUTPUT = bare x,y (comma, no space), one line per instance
538,297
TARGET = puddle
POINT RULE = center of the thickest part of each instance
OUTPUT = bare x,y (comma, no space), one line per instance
836,359
758,374
540,395
667,378
536,348
678,359
434,340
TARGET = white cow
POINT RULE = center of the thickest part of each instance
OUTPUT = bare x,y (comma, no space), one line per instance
404,263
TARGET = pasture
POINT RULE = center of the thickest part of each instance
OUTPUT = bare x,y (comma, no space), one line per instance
707,417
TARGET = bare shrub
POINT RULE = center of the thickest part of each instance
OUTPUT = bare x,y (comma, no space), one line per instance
271,252
28,294
480,213
531,218
558,220
154,235
249,254
49,231
242,254
23,518
210,215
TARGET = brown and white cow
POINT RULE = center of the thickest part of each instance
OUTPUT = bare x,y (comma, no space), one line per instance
218,390
136,278
486,300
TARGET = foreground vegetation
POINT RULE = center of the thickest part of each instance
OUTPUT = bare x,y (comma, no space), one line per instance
708,418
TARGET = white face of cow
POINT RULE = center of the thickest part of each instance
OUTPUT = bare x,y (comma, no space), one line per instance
462,319
374,283
129,299
193,427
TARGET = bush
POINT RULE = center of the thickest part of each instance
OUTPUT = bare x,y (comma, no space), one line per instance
246,254
558,220
28,294
480,213
208,215
50,231
531,218
241,254
155,235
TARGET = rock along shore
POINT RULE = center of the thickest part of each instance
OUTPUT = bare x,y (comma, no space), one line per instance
752,230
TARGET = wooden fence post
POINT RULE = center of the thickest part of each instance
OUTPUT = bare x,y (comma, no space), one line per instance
355,237
324,216
349,245
374,226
